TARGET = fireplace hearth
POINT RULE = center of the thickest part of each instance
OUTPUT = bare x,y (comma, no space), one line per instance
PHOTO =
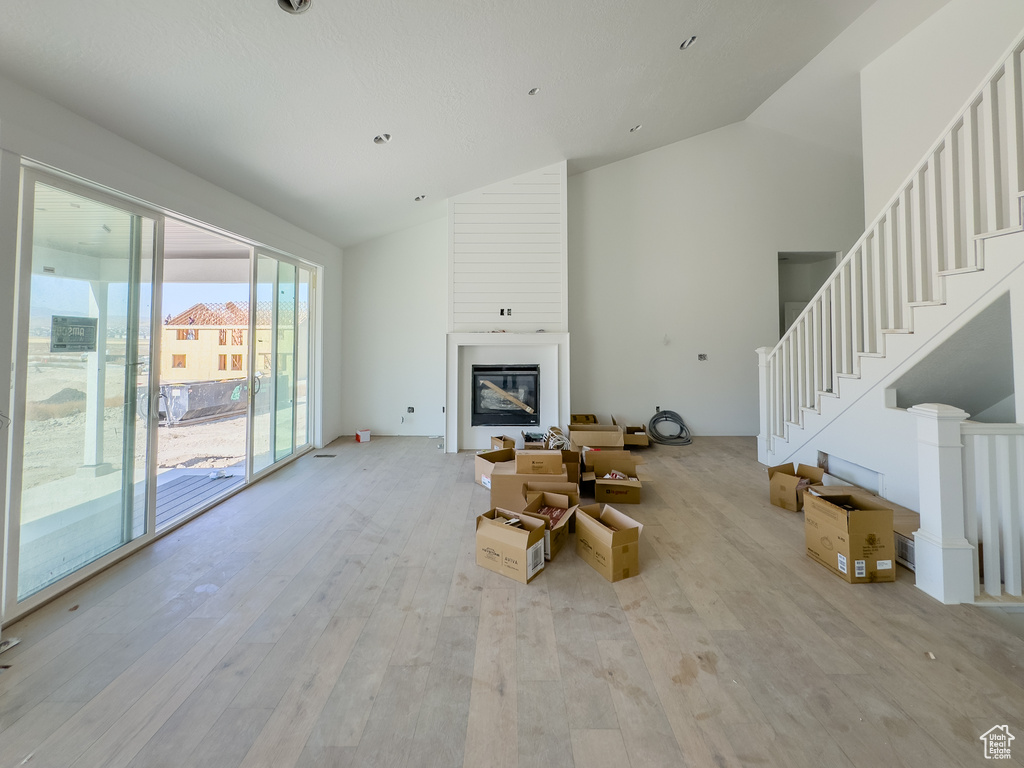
506,395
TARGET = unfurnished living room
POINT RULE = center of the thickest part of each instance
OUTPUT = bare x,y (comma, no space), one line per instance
546,384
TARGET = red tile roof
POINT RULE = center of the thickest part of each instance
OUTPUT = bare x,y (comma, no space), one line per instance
230,314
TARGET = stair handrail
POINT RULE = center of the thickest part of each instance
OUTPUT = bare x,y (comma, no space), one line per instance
993,75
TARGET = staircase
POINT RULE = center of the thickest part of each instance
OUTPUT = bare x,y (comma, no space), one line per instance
967,189
915,277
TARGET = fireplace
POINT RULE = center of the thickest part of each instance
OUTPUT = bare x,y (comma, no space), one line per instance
506,395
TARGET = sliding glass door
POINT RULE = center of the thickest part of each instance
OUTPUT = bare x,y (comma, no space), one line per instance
158,367
78,474
281,360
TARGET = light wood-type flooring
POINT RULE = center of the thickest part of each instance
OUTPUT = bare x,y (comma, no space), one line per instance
333,615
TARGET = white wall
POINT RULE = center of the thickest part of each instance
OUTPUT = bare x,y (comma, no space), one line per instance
395,305
674,253
911,93
33,127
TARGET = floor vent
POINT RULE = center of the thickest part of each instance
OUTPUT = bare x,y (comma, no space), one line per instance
325,455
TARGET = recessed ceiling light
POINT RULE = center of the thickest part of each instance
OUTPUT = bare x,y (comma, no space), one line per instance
687,43
294,6
533,92
420,198
382,138
635,128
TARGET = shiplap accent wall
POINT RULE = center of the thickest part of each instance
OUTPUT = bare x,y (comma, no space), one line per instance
507,250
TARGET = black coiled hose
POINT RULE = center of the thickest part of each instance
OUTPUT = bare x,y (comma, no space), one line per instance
682,435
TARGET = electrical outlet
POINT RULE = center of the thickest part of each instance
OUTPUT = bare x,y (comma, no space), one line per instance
702,357
501,312
509,311
410,409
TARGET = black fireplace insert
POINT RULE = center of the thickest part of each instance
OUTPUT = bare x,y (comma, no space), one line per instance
506,395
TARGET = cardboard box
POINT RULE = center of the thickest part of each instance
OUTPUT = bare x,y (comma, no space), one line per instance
539,462
783,481
556,533
484,463
634,437
514,552
571,462
608,490
850,534
568,489
904,521
595,436
608,541
582,418
534,440
497,443
508,486
362,436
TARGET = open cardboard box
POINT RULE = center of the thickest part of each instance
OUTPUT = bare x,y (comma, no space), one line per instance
502,441
556,531
634,437
608,541
514,552
783,481
851,534
621,491
484,462
582,418
905,522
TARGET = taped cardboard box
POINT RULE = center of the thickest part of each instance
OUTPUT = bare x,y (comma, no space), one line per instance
905,522
556,510
608,541
539,462
595,436
515,552
784,481
851,534
484,462
503,441
508,486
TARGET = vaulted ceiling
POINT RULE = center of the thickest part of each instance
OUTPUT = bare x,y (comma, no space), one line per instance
283,109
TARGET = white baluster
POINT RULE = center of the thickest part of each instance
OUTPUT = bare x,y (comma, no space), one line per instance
951,250
970,186
1015,136
936,239
971,501
991,146
988,520
1008,521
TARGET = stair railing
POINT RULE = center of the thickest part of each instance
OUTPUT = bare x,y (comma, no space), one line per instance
967,187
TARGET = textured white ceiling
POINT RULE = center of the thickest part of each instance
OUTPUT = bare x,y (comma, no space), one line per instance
282,109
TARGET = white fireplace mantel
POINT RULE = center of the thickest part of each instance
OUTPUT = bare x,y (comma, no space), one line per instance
458,386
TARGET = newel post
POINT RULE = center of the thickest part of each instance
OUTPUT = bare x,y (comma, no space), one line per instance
943,557
765,435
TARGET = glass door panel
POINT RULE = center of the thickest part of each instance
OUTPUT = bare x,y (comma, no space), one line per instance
264,343
302,316
81,489
284,405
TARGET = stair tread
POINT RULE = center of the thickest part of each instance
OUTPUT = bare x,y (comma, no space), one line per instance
928,303
897,330
960,271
